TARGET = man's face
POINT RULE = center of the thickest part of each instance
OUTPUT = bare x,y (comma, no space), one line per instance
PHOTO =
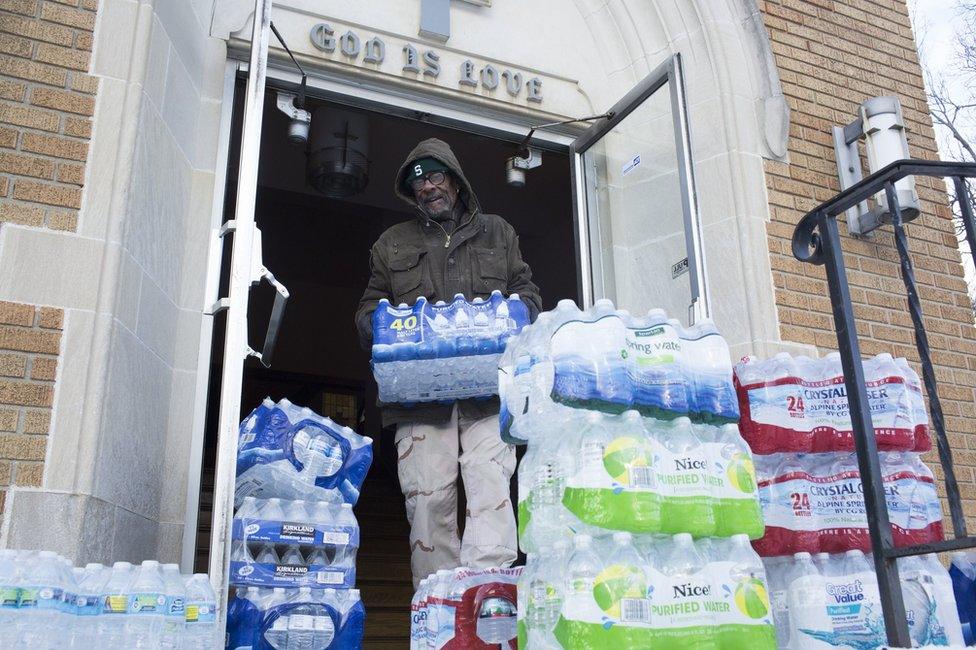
437,201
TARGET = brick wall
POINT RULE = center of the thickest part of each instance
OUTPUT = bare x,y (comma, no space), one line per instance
30,339
46,102
832,55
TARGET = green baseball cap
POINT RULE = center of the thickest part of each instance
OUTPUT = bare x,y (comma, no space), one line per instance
421,167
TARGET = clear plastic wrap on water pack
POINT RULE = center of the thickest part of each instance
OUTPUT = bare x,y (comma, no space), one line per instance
442,351
644,591
280,543
281,619
800,404
593,472
291,452
815,502
465,609
611,361
832,601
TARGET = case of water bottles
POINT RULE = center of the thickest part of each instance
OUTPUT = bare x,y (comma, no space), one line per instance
291,452
465,609
608,360
800,404
442,351
815,502
587,471
47,604
280,543
295,537
283,619
832,601
645,591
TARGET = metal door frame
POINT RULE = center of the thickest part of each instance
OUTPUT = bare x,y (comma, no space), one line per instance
263,73
668,72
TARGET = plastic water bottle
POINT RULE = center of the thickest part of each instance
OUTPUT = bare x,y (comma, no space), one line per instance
174,620
687,505
111,624
732,478
146,607
89,606
747,622
682,587
201,614
418,615
581,572
438,592
40,612
9,597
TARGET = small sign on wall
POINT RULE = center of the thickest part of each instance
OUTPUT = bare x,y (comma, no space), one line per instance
631,164
679,268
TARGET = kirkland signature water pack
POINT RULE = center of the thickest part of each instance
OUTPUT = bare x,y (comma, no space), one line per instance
291,452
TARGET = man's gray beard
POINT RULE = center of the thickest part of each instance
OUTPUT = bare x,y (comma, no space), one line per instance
444,215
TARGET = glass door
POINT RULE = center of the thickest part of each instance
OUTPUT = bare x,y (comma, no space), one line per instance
638,229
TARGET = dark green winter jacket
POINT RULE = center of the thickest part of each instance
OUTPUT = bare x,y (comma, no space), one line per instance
482,255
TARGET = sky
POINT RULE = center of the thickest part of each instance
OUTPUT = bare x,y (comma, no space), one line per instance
935,28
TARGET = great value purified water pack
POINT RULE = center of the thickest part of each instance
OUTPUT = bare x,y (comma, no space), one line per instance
294,536
832,601
291,452
645,591
465,609
800,404
282,619
608,360
592,472
47,604
442,351
815,502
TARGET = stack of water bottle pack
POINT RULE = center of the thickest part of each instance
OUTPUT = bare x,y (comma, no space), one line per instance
796,417
295,537
47,604
465,609
637,496
442,351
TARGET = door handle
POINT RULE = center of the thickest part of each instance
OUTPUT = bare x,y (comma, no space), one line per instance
274,322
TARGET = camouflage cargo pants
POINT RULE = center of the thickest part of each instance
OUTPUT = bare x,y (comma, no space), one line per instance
428,469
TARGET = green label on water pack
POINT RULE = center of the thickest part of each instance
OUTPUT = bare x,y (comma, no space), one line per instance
147,603
9,596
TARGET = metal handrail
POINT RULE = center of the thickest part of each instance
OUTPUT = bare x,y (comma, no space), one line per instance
816,240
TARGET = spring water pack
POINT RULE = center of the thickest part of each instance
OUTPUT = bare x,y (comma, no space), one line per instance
644,591
832,601
465,609
442,351
278,543
815,502
279,619
800,404
290,452
611,361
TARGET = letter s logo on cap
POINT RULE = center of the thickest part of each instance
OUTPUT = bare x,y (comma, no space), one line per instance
417,170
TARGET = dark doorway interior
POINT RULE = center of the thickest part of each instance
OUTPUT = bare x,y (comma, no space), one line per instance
319,248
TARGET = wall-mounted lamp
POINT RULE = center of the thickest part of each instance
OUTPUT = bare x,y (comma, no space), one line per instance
530,158
293,104
881,125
